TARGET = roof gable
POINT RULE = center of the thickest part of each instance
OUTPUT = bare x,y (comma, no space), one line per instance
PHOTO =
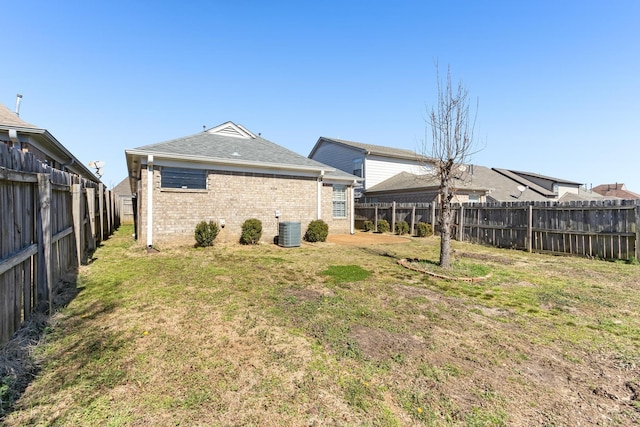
232,130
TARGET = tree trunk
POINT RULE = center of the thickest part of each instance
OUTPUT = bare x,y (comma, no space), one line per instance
445,235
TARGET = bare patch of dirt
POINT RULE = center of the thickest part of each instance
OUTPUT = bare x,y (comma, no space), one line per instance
308,294
362,238
485,257
377,344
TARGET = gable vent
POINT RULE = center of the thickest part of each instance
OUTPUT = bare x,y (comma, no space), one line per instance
232,130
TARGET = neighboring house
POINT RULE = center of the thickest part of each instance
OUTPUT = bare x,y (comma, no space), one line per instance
124,201
373,163
551,188
41,143
615,191
228,174
473,184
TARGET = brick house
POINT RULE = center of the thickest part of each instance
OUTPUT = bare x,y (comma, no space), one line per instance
227,174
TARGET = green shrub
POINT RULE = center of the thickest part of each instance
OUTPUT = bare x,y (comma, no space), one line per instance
423,229
368,225
402,227
206,233
383,226
251,232
317,231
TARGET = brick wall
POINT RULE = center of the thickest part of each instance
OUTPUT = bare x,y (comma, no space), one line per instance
235,197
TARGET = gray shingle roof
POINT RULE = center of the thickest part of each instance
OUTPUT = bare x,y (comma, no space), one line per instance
221,147
230,143
535,175
500,187
9,118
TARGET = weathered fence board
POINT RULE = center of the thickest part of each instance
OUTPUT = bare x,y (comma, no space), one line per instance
47,228
608,229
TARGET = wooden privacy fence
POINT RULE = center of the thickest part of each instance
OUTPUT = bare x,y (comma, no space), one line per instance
607,229
50,221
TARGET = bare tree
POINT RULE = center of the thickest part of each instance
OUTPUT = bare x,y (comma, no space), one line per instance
452,143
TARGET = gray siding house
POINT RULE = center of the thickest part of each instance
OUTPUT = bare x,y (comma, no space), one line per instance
373,163
227,174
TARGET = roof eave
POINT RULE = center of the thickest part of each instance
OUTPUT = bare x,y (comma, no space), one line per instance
73,162
222,161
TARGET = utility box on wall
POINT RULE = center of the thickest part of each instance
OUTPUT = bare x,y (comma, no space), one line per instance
289,234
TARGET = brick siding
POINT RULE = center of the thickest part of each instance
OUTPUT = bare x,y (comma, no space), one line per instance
235,197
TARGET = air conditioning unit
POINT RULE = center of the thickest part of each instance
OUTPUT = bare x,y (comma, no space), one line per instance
289,234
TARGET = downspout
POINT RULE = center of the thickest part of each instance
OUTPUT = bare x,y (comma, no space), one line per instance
149,201
352,220
65,165
320,194
13,136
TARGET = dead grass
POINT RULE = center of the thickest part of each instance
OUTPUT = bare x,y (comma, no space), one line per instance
231,335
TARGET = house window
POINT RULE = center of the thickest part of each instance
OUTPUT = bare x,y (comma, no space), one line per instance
474,197
183,178
339,201
357,167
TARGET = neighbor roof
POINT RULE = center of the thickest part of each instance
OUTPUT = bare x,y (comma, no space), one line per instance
476,178
535,175
377,150
615,190
44,141
11,119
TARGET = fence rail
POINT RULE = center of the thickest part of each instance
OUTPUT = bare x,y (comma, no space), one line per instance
607,229
50,221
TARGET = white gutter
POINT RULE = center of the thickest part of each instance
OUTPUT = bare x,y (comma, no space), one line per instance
149,201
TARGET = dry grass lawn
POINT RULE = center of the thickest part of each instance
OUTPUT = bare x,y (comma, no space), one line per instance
337,333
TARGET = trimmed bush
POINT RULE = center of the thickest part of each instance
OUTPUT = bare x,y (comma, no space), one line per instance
402,227
251,232
317,231
383,226
423,229
206,233
368,225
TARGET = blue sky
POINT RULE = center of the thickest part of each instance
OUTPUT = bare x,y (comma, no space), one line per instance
558,82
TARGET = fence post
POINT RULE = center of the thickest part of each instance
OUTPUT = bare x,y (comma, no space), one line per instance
413,219
101,209
433,216
461,224
77,221
375,219
637,230
45,276
107,195
91,216
480,218
393,217
529,228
